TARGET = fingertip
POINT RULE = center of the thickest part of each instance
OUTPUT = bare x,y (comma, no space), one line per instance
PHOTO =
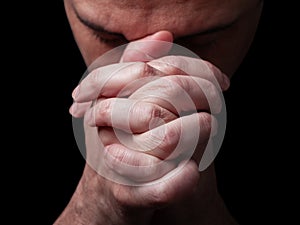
158,44
226,82
75,92
163,35
78,110
72,109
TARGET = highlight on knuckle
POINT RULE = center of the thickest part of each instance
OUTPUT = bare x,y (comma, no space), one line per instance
104,110
205,120
170,138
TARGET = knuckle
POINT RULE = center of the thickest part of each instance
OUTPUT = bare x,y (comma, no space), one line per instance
170,135
205,120
213,97
145,69
155,113
145,114
104,110
170,139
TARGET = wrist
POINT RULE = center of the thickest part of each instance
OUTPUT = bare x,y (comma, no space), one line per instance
203,206
93,203
88,204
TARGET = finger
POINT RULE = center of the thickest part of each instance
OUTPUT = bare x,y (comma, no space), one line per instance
181,94
148,48
129,115
136,166
108,135
193,67
178,137
108,81
78,110
174,186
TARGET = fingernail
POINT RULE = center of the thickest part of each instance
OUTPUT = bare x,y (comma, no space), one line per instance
75,92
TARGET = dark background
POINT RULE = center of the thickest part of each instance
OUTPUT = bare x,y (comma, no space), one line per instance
44,163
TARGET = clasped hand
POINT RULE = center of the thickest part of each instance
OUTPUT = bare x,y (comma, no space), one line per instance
147,115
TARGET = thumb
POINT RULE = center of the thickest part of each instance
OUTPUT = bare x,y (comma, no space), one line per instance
148,48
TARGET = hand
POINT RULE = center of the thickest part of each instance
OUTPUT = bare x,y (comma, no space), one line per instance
145,108
150,113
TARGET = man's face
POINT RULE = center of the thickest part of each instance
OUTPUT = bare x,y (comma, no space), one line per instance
216,30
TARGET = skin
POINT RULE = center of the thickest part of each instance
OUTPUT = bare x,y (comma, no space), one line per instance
225,49
189,197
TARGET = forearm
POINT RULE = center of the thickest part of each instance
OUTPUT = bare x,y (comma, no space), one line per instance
94,204
77,214
86,205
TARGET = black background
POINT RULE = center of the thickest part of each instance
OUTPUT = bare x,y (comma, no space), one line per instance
44,163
